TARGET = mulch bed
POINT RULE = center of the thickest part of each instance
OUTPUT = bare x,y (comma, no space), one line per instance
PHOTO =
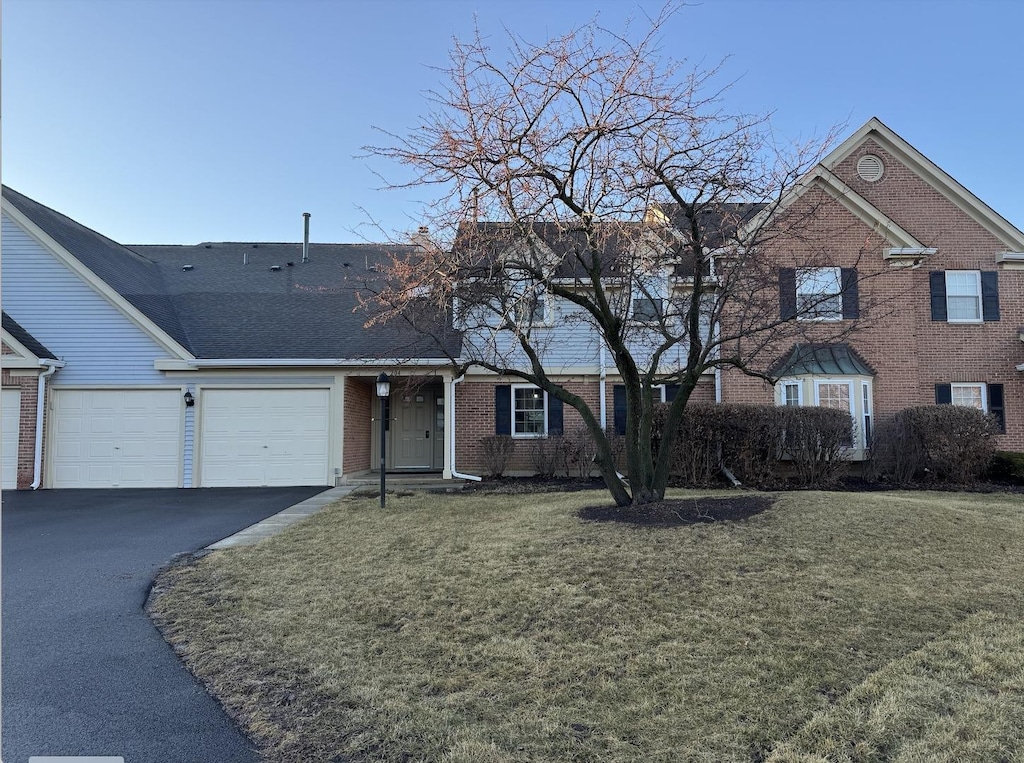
682,512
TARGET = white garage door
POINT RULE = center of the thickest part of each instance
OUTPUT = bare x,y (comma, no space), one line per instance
257,437
117,438
10,405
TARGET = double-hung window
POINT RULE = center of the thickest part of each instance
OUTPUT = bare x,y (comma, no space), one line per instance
819,294
647,309
964,296
986,397
529,412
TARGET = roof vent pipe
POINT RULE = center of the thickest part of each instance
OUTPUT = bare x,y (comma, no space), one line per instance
305,237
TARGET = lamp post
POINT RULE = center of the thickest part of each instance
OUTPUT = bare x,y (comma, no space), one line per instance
383,391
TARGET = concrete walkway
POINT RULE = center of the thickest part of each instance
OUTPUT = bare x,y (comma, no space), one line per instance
272,525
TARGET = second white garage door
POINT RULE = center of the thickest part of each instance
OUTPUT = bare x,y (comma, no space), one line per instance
264,437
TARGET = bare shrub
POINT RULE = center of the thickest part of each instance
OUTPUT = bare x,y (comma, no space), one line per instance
498,450
818,441
548,455
580,450
947,443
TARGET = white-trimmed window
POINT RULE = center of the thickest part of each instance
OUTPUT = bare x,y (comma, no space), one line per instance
819,294
851,394
533,310
963,296
792,392
529,411
970,395
647,309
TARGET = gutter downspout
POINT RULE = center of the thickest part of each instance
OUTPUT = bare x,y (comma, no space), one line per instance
718,384
604,400
37,463
456,474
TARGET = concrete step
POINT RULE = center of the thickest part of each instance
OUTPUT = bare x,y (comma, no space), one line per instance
405,483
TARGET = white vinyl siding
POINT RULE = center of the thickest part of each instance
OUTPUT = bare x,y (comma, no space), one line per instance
98,342
10,404
264,437
116,438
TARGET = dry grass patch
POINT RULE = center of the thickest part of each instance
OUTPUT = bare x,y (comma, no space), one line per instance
501,628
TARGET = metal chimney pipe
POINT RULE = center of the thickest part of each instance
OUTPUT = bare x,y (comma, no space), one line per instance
305,237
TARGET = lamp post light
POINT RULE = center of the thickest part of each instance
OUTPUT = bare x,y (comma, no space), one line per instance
383,391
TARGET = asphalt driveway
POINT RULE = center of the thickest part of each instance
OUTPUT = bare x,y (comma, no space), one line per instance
85,672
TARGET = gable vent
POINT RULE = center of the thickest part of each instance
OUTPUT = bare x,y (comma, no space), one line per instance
870,168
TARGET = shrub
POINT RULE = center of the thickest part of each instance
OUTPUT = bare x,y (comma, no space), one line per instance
817,439
746,438
750,440
948,443
548,455
1007,467
498,449
580,450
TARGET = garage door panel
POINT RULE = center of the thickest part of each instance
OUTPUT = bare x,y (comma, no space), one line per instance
10,407
117,438
253,437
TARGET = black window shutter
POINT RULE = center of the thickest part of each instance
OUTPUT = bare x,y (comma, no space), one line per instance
937,281
619,408
555,425
671,390
503,409
995,405
990,295
851,297
943,394
787,293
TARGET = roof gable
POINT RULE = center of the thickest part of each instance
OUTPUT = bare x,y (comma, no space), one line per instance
130,282
874,129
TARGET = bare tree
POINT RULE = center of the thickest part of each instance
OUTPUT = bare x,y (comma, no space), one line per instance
591,191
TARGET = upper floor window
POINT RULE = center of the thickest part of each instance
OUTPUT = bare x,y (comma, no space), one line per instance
964,296
822,294
533,310
647,309
819,294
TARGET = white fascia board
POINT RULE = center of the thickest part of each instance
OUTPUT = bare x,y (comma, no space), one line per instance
189,365
135,315
23,357
1011,236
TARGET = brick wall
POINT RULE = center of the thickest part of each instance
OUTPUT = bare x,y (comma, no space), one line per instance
910,352
358,411
5,350
27,434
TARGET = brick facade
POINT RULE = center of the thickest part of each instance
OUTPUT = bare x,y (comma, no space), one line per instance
358,414
28,385
910,352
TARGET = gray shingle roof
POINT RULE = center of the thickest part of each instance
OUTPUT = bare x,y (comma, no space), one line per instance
133,277
303,310
13,328
223,309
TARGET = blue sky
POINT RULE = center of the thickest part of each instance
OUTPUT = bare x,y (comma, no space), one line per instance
181,121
